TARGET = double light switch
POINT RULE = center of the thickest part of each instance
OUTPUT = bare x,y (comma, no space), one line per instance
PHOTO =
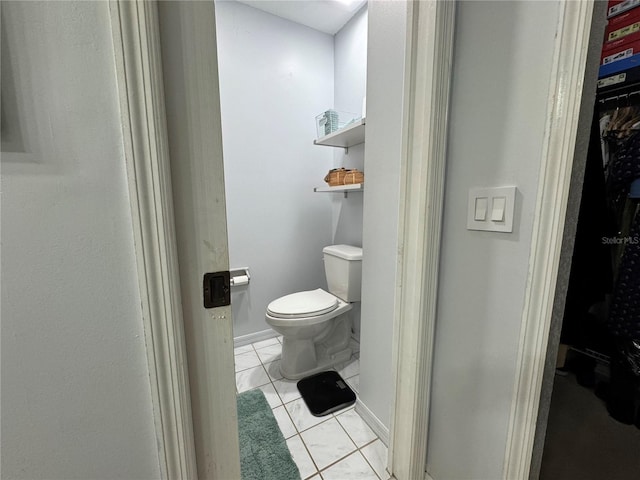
491,209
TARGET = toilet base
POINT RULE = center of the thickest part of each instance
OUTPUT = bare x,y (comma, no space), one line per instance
301,358
324,362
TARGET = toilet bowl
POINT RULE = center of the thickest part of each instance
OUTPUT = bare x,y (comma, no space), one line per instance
316,324
315,329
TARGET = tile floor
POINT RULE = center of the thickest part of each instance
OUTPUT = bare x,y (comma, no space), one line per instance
335,447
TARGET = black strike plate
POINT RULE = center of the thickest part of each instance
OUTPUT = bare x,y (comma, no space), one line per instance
216,289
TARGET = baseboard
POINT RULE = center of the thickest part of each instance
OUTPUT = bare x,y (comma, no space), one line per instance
254,337
370,419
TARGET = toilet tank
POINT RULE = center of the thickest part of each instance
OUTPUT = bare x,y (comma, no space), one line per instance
343,268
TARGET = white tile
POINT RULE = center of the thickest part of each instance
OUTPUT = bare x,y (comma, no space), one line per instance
376,454
271,353
279,337
356,428
251,378
301,415
355,346
284,422
301,457
243,349
287,390
246,360
349,369
316,477
354,383
271,395
265,343
273,369
327,443
354,467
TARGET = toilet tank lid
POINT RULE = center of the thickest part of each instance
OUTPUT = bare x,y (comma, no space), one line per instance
348,252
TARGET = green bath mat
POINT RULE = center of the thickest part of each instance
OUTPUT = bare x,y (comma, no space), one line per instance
263,450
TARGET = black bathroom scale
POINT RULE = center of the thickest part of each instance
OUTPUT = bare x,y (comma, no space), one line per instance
325,393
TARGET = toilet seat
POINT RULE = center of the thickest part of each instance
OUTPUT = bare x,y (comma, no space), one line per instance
303,304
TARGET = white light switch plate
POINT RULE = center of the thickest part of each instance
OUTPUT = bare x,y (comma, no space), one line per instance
506,194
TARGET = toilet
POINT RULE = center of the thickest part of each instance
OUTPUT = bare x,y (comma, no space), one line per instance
316,324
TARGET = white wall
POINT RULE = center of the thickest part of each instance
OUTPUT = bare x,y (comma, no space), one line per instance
385,84
502,64
275,77
76,400
350,81
350,54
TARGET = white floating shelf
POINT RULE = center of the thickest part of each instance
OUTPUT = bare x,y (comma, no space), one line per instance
356,187
346,137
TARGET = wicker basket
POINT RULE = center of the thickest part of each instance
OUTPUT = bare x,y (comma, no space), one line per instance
343,176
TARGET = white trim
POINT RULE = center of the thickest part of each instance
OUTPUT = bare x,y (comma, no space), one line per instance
192,101
565,97
254,337
139,78
430,56
374,422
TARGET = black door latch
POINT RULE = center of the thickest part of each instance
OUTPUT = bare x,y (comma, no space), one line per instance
216,288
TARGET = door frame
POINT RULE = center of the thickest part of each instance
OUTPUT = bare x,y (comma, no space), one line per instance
564,104
136,43
598,24
429,57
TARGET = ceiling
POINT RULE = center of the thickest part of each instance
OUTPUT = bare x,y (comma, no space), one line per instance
328,16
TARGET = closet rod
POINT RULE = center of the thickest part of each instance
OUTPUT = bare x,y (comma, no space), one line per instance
618,97
629,89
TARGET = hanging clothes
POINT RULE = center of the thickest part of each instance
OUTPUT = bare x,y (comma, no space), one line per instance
591,276
623,402
624,315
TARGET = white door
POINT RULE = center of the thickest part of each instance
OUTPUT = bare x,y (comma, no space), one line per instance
189,58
